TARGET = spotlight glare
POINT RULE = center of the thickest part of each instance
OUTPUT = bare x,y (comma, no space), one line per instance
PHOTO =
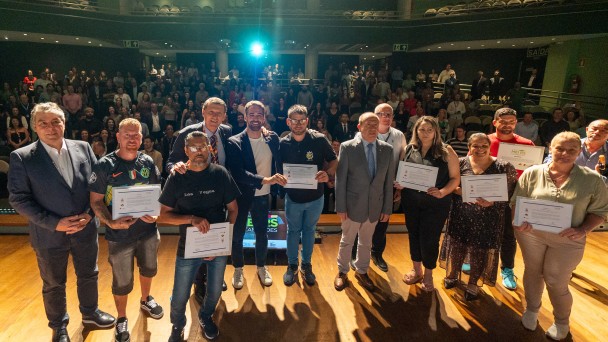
257,49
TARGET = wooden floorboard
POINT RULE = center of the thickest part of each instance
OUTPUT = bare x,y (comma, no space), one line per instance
393,312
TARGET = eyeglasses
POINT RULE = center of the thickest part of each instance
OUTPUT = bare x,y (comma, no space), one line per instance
195,149
298,122
384,115
45,125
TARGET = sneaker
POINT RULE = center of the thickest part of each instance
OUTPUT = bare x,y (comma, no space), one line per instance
466,268
558,332
529,320
152,308
210,330
177,334
309,277
237,278
264,276
122,330
290,275
509,280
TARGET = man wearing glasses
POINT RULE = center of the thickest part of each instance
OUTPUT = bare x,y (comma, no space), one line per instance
303,207
505,120
396,139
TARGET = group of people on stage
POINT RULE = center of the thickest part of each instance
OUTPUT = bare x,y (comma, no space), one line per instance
218,177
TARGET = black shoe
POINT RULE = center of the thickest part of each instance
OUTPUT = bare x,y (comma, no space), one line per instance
122,330
470,296
309,277
449,283
100,319
224,286
177,334
352,265
210,330
152,308
290,276
379,262
61,335
199,294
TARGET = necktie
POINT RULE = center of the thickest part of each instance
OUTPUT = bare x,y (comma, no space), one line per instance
213,143
344,128
371,164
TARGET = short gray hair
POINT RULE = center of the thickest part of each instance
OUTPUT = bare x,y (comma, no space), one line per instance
46,107
196,134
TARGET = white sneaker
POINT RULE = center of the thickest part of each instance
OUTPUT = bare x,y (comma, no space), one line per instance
264,276
529,320
558,332
237,278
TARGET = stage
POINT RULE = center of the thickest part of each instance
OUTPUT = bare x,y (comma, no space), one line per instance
393,312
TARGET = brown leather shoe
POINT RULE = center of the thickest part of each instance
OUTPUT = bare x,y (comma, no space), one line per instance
365,281
341,281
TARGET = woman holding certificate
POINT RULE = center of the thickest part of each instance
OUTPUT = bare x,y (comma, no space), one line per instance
426,211
551,255
475,227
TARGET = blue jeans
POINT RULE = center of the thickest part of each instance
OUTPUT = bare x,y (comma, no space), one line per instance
258,206
185,272
302,220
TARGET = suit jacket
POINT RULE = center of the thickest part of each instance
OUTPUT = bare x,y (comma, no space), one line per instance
38,191
359,196
177,153
241,163
478,88
340,135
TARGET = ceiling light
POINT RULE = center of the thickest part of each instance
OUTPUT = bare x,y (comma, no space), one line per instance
168,43
56,41
158,53
452,44
439,47
468,47
513,45
553,38
531,42
77,38
482,45
498,42
25,34
366,46
171,45
41,38
5,37
165,56
100,45
373,56
428,49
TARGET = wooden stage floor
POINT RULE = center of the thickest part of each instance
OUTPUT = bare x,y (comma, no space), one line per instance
393,312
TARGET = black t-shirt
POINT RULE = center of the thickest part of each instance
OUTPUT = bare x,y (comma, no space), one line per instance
313,150
203,194
113,171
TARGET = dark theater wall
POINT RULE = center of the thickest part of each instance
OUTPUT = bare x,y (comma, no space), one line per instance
17,57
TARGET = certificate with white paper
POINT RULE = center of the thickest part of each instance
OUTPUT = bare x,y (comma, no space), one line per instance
521,156
492,188
136,201
416,176
217,241
543,215
300,176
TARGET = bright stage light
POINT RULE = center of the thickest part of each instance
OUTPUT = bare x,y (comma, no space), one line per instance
257,49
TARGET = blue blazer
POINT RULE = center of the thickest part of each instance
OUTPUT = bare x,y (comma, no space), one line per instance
177,153
38,191
241,163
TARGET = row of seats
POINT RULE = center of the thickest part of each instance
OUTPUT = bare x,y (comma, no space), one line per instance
484,5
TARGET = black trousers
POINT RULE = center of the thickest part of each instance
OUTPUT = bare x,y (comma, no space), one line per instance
378,240
53,264
425,217
508,246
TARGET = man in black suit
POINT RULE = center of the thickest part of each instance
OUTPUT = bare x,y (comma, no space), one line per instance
253,160
478,87
48,184
214,112
343,130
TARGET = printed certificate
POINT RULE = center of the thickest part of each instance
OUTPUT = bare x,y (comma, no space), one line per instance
300,176
416,176
492,188
521,156
217,241
136,201
543,215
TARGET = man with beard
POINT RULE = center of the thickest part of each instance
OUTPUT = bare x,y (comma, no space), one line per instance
505,120
128,237
253,160
303,207
199,197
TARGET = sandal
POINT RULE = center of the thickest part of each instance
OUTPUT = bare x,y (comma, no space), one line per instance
428,286
412,278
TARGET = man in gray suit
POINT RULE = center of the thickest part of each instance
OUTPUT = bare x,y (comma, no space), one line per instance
47,183
364,196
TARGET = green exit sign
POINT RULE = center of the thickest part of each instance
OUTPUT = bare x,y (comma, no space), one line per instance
399,47
133,44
